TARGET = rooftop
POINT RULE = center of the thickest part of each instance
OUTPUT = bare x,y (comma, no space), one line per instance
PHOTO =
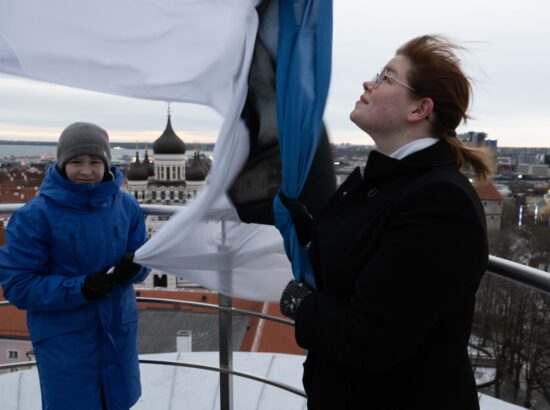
166,387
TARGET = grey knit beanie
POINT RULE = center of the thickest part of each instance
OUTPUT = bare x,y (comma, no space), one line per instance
83,138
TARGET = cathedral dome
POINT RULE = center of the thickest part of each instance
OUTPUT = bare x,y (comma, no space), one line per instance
137,171
197,170
169,142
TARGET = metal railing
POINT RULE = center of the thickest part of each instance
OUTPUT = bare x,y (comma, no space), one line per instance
226,346
283,386
532,278
526,276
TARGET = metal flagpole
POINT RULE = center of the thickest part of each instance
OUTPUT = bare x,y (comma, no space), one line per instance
225,323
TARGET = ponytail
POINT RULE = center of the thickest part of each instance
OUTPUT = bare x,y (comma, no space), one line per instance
480,159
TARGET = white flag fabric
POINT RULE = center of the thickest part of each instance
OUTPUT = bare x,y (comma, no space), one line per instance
184,50
187,50
242,260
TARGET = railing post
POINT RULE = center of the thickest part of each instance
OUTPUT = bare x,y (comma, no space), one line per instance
226,353
225,324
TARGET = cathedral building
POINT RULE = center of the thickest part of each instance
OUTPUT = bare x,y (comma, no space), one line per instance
169,179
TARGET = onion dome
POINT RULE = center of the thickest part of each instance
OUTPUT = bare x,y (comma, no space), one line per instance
197,170
137,171
169,142
148,165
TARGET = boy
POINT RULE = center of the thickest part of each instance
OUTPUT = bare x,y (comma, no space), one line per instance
82,318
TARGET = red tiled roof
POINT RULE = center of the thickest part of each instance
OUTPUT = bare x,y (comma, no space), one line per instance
13,322
2,233
261,335
488,192
269,337
13,196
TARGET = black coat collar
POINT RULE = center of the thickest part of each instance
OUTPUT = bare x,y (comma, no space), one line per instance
380,167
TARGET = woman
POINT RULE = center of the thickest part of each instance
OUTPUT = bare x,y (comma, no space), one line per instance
398,252
82,318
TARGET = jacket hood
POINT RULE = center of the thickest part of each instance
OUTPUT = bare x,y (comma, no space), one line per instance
84,197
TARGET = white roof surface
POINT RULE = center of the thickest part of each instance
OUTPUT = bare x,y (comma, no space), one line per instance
172,388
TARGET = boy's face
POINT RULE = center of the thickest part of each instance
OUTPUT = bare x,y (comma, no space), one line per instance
85,169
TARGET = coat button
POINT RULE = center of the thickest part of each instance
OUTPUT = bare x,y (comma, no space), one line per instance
345,193
372,192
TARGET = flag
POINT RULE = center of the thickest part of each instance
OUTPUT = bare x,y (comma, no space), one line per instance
287,90
198,52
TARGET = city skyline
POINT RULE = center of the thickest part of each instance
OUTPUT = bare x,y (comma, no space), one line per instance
505,58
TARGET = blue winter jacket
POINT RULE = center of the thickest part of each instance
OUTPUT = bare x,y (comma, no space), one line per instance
65,233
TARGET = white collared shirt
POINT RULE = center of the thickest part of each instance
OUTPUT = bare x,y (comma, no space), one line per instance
412,147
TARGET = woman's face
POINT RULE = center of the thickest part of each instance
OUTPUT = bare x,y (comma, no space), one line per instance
85,169
382,110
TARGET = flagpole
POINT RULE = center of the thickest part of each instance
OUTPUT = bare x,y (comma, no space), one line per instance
225,323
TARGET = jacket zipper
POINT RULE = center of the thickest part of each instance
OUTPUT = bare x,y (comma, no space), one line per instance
75,252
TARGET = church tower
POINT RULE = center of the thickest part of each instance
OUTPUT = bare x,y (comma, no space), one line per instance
168,185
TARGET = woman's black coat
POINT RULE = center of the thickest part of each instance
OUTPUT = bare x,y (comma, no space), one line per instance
398,256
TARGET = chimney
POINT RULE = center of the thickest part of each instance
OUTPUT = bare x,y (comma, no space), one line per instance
184,341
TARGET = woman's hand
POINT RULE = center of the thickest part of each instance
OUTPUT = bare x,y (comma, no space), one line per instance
292,296
301,218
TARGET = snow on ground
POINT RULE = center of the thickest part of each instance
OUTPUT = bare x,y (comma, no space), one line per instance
167,387
490,403
484,374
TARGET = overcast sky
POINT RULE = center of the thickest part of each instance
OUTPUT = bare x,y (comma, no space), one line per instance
508,59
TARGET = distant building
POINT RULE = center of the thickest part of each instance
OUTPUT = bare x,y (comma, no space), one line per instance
536,170
531,156
19,184
505,165
492,145
167,180
15,345
492,201
474,139
171,179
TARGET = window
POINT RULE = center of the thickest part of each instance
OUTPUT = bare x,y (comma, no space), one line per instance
13,354
160,281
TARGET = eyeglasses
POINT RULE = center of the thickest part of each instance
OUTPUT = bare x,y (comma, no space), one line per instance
381,76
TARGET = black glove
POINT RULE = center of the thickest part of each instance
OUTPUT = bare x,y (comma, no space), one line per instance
292,296
98,285
126,269
302,219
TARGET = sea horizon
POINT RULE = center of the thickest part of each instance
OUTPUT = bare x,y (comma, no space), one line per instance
119,152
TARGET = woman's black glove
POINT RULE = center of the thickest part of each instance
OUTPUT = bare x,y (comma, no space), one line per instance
98,285
292,296
302,219
126,269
